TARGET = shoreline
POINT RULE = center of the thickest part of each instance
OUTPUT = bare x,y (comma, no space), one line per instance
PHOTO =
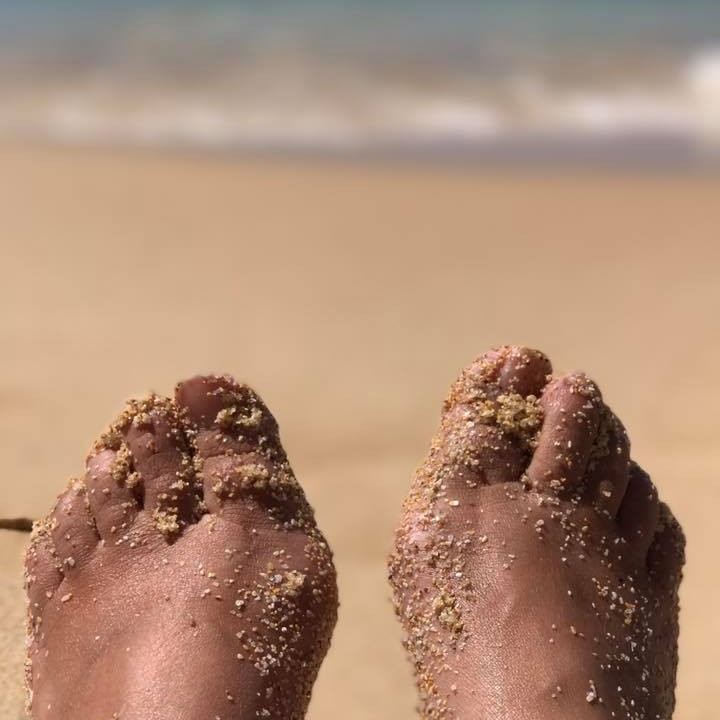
629,154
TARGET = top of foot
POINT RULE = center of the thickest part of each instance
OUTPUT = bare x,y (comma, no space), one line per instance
535,571
183,576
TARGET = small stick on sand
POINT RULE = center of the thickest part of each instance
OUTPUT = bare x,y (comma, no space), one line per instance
19,524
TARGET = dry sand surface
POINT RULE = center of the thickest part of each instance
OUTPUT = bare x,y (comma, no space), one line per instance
350,297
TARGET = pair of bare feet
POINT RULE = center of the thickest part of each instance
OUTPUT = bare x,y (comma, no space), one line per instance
534,571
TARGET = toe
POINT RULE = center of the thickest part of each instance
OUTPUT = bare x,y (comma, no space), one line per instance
491,417
160,456
609,465
72,527
523,371
666,555
112,490
142,462
489,424
42,573
639,512
506,370
572,408
238,453
227,414
665,561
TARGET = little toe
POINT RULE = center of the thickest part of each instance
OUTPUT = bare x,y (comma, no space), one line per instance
609,465
638,515
666,555
572,407
665,561
72,527
42,573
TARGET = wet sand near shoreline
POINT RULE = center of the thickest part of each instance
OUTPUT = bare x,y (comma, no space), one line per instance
350,296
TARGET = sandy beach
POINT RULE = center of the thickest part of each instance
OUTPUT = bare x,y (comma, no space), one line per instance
350,296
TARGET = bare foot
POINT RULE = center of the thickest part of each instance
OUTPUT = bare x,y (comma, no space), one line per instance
535,571
184,577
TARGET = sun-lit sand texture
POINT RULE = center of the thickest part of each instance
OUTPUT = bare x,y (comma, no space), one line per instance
350,297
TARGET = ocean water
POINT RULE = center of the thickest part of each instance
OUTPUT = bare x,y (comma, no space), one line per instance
364,76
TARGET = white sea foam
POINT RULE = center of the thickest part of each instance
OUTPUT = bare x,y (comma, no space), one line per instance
376,114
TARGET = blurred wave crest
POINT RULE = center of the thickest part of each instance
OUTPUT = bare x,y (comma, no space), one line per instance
359,77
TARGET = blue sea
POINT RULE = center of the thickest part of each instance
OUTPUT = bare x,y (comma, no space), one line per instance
512,77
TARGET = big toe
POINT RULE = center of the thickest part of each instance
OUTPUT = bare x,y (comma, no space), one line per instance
239,457
491,417
510,369
489,423
523,370
219,402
